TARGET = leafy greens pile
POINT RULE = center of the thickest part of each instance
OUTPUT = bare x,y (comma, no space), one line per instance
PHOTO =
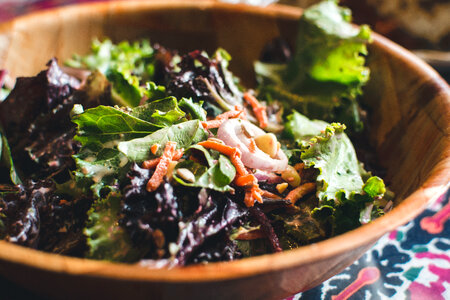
81,147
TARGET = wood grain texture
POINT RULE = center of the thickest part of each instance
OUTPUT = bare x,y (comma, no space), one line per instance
409,102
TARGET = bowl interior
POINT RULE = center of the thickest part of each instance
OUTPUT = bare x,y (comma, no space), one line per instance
409,104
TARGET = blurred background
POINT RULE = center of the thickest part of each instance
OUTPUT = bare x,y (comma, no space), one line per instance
422,26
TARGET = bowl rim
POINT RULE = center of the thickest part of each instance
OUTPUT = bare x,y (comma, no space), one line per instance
409,208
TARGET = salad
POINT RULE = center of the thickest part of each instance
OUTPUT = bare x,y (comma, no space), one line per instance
137,153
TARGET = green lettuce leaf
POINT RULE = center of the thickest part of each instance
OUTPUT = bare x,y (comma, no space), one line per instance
300,129
333,154
125,65
327,71
162,112
154,92
194,109
105,238
344,188
216,175
184,134
125,88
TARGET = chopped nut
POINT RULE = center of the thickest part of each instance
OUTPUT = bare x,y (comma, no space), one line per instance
281,187
186,174
267,143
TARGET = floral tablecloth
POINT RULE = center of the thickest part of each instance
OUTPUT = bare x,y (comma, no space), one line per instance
412,262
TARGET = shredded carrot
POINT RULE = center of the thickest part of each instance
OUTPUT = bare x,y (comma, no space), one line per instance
212,124
229,115
245,180
154,148
252,146
152,163
178,154
222,148
256,193
248,199
300,191
215,123
251,235
238,164
268,194
258,109
162,167
252,194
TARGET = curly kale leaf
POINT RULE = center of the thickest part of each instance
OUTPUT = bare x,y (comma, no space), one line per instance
106,239
343,187
334,155
327,71
125,65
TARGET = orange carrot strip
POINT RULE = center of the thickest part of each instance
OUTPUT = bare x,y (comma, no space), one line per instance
178,154
245,180
300,191
251,195
162,167
238,164
154,148
222,148
248,199
152,163
252,146
258,109
251,235
256,193
229,115
212,124
221,118
268,194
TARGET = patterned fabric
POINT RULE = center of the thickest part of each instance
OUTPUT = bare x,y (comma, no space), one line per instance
412,262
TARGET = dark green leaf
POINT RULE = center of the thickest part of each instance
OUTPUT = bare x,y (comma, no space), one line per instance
194,109
216,175
163,112
184,134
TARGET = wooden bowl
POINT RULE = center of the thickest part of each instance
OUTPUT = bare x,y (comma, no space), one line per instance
410,119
